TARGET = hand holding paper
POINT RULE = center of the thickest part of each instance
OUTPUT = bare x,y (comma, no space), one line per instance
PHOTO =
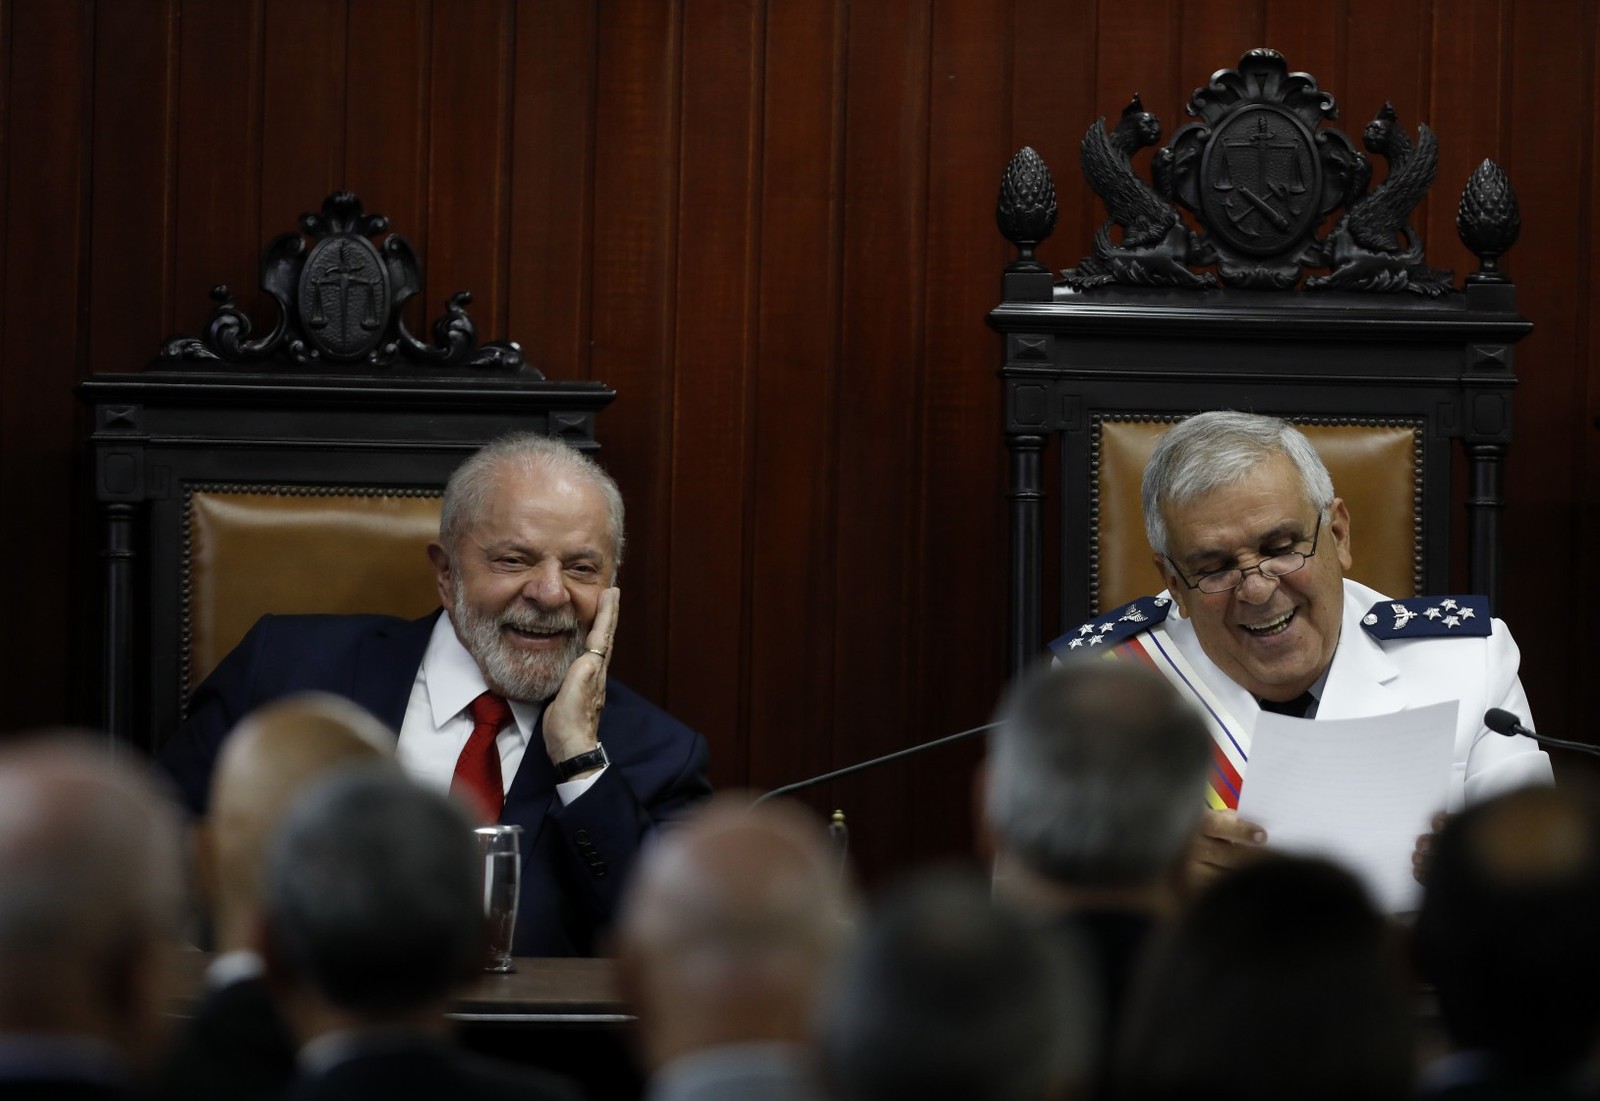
1357,791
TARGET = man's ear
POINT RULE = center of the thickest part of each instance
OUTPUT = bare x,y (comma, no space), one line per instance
1339,527
442,578
1172,583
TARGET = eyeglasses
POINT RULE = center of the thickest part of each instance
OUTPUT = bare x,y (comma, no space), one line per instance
1272,567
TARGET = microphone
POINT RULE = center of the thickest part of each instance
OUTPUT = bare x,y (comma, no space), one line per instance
1504,722
909,751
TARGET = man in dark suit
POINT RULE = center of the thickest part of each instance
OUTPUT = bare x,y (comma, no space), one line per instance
373,918
90,894
236,1045
1506,936
504,698
1092,797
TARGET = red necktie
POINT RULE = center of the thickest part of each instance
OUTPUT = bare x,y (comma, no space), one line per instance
477,777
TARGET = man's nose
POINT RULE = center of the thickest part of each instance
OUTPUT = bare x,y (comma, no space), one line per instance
544,586
1256,588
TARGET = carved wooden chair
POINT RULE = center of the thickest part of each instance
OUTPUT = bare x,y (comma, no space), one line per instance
1391,368
297,472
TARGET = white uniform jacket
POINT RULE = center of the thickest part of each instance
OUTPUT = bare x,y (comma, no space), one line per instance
1369,677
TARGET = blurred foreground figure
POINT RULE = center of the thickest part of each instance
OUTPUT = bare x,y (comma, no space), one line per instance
725,942
237,1046
374,919
1507,937
90,898
1280,982
949,996
1092,795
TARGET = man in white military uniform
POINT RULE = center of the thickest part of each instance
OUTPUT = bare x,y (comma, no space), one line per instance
1253,545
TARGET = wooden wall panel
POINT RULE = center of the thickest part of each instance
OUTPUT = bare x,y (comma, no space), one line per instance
216,160
1467,48
633,304
881,350
552,177
468,201
960,598
303,110
386,94
795,380
45,175
1546,160
712,346
130,311
770,225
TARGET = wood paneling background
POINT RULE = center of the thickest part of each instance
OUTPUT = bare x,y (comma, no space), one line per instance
768,224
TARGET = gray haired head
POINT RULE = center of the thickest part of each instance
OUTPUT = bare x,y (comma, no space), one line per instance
1096,774
467,494
373,892
1211,450
951,996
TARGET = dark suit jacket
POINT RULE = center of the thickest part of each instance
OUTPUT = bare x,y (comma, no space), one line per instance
236,1046
574,858
429,1072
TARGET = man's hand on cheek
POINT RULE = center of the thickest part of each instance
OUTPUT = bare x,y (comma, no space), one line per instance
572,719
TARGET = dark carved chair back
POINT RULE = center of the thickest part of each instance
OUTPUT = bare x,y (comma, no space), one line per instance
296,472
1303,293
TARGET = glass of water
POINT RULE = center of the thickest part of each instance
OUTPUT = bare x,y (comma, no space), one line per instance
501,847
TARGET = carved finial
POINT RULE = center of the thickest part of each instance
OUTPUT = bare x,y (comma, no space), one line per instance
1026,211
1487,221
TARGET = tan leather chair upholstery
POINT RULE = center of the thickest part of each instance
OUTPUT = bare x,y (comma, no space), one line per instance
296,550
1375,468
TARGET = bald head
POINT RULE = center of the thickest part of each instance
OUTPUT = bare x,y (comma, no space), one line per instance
267,760
90,893
729,927
1509,907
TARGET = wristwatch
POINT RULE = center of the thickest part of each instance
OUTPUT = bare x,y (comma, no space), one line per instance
583,762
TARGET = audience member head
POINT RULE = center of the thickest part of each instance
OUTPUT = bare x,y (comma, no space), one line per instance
729,927
949,996
90,895
1510,907
530,535
373,902
1095,777
1281,981
270,757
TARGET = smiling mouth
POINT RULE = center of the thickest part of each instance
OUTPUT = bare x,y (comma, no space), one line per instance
1271,627
533,635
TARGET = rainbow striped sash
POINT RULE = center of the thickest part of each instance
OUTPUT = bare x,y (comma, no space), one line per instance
1230,740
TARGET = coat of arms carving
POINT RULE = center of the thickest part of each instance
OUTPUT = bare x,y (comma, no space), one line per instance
1259,172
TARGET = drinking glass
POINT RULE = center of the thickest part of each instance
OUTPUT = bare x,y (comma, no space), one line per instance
501,847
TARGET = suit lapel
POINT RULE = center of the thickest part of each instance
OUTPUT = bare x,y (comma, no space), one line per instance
386,667
533,787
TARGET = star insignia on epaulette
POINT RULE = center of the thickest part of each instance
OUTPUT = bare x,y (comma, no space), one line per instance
1116,625
1429,617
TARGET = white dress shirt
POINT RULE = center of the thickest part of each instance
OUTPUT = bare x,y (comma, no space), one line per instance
438,723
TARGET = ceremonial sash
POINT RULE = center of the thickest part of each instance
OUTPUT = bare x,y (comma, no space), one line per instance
1230,741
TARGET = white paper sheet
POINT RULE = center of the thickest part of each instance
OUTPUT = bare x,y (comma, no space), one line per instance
1357,791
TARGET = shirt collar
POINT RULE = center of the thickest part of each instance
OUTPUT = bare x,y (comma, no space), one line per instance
454,680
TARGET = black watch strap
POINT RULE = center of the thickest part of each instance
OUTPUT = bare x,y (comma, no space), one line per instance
583,762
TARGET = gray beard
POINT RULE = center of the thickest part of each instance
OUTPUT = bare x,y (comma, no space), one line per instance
516,674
